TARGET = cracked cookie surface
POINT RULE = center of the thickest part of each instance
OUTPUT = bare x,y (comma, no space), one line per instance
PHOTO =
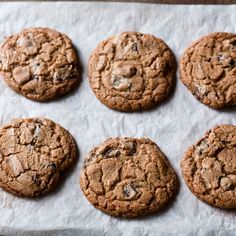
131,71
33,154
39,63
128,177
209,167
208,69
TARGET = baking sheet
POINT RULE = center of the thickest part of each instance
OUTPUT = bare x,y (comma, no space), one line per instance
174,125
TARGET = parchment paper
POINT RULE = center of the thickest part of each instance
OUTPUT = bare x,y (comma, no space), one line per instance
174,125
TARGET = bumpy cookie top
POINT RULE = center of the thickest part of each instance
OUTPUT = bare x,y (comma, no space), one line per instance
209,167
33,154
208,69
128,177
39,63
131,71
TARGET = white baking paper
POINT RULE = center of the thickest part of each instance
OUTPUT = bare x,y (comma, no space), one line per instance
174,125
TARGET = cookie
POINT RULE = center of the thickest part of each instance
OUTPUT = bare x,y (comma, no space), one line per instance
131,71
208,69
33,155
209,167
128,177
39,63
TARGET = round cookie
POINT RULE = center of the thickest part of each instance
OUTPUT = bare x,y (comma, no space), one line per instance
209,167
33,154
208,69
39,63
131,71
128,177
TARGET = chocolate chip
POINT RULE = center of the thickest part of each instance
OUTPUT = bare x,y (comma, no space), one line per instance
120,83
130,147
225,142
133,71
34,77
220,57
29,44
233,43
70,78
167,67
222,75
202,146
129,192
104,150
57,77
231,62
113,48
36,179
111,152
133,149
197,94
52,166
135,47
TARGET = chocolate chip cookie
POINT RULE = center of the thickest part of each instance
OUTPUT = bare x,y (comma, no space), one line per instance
39,63
128,177
33,155
208,69
131,71
209,167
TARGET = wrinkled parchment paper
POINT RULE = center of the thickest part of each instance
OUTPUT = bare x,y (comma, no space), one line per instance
174,125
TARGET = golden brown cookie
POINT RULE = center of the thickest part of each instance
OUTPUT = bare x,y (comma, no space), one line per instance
128,177
208,69
39,63
33,155
131,71
209,167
